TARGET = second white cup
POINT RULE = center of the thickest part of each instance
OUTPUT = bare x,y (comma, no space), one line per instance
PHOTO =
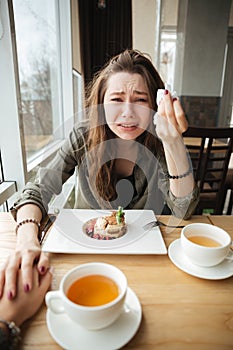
205,245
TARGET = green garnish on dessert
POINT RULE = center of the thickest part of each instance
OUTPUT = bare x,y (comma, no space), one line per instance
119,215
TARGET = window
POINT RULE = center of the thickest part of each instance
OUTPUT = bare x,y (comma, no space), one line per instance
168,38
1,169
36,77
7,188
167,55
39,67
78,96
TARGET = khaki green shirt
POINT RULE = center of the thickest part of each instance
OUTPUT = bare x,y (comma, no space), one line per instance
147,188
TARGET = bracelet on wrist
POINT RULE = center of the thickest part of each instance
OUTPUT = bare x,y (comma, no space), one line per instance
176,177
10,337
27,221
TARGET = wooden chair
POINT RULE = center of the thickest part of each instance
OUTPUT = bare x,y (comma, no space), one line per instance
210,150
229,188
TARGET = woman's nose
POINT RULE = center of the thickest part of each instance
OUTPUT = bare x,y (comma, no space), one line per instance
128,110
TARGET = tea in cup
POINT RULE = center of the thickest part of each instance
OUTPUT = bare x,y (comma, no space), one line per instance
205,245
92,295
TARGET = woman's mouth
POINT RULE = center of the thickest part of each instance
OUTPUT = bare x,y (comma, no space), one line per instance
127,126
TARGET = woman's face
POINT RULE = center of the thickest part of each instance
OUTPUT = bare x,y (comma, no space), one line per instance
126,105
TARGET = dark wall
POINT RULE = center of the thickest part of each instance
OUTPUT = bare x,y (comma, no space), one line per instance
201,110
104,32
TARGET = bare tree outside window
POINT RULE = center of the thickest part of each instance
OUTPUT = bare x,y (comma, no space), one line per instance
38,56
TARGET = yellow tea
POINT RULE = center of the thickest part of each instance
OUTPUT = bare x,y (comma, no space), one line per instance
93,290
205,241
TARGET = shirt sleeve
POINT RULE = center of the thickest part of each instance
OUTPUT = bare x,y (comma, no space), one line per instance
183,207
50,179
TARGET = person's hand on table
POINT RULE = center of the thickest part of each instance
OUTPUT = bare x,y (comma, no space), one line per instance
21,263
14,312
25,305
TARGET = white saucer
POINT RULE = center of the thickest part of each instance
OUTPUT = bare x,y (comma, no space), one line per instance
218,272
71,336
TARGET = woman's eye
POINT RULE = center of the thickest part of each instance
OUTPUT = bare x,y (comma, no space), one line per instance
141,100
116,99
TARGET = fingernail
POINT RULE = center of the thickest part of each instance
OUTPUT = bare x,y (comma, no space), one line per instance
10,295
165,92
175,99
42,269
26,288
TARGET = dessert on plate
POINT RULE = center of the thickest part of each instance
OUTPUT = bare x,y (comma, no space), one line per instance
107,227
112,226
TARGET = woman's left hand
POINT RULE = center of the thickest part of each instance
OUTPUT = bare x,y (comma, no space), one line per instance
171,121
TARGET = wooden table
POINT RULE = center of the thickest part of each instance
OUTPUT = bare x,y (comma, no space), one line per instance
196,141
180,311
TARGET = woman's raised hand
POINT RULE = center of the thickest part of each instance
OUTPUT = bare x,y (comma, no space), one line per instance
170,119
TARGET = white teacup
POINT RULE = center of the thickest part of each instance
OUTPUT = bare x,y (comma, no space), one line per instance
89,317
206,245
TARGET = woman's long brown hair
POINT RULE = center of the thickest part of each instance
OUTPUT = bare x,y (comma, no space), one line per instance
102,172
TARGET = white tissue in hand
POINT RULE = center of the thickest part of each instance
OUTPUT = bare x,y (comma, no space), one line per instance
156,116
160,93
159,97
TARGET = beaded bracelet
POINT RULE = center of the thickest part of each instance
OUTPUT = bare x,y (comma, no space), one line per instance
175,177
27,221
12,338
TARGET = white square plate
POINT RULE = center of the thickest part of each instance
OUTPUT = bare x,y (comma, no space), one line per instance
67,234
